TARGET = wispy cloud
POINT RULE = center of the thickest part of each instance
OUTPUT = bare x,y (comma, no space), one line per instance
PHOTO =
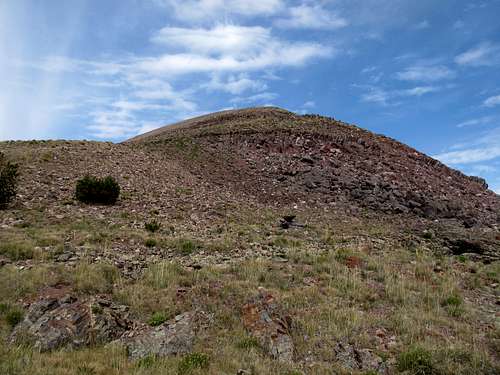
484,120
485,54
235,85
422,25
228,48
207,10
311,17
426,73
257,98
382,96
483,148
492,101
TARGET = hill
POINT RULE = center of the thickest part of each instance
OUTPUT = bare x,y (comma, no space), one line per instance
252,241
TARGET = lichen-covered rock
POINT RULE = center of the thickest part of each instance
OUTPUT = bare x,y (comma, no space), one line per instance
58,319
354,359
171,338
265,320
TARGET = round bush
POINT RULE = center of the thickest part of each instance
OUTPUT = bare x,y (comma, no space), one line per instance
8,181
97,190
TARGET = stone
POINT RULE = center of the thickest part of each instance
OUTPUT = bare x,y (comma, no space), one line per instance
354,359
60,320
265,320
174,337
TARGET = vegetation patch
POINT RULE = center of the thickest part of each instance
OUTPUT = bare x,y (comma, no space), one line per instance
152,226
93,190
8,181
192,362
157,319
416,361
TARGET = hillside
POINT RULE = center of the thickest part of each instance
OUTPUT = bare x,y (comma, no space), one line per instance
252,241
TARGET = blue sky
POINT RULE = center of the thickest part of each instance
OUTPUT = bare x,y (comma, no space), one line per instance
424,72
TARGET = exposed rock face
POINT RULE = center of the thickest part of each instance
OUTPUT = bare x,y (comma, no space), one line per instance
281,157
355,359
60,320
172,338
265,321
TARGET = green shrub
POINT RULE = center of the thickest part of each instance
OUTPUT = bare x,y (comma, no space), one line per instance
193,361
97,190
13,317
150,242
416,361
8,181
453,305
186,246
157,319
152,226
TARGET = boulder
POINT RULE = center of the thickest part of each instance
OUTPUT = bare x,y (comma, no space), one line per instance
265,320
58,319
354,359
171,338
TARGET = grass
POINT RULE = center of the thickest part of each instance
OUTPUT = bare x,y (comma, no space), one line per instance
158,318
416,361
192,362
17,250
393,288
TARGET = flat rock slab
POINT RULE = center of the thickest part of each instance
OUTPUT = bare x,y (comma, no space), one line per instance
265,320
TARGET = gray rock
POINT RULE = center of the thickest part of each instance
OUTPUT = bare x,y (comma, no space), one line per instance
172,338
355,359
59,320
264,319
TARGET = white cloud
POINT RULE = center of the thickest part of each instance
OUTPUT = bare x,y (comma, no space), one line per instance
235,85
311,17
419,90
227,48
422,25
309,104
219,40
472,155
425,73
485,54
492,101
262,97
381,96
483,148
477,121
202,10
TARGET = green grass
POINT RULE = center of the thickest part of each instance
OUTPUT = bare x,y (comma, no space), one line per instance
158,318
192,362
416,361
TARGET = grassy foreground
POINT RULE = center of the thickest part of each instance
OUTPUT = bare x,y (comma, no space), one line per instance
420,312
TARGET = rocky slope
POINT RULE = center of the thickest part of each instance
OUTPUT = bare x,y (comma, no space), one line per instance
274,155
282,244
279,158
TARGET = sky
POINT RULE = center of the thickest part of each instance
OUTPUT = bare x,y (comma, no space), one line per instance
426,72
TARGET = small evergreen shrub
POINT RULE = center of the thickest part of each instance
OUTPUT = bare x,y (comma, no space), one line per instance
152,226
97,190
13,317
192,362
8,181
150,242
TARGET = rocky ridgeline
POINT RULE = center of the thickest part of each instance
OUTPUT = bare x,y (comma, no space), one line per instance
274,156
